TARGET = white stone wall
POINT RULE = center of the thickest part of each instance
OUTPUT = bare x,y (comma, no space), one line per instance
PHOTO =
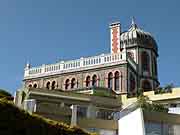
132,124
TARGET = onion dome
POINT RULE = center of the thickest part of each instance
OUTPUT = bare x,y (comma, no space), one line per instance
137,37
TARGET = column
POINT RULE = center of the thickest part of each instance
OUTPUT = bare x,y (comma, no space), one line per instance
74,115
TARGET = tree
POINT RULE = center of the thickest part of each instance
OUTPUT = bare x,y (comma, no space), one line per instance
5,94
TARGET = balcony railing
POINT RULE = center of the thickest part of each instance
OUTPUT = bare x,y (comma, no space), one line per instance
73,65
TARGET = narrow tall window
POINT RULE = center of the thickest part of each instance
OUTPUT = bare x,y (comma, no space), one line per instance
94,81
145,61
48,85
132,83
116,81
110,80
88,81
53,85
155,66
67,84
73,83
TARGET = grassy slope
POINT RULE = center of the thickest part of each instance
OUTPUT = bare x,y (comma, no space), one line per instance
14,121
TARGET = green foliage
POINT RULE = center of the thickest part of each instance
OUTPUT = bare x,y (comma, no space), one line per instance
165,89
4,93
145,104
139,92
103,92
14,121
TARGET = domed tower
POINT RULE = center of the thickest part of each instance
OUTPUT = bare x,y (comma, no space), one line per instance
142,50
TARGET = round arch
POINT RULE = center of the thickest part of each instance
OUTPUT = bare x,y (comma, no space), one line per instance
94,80
48,85
110,80
67,83
30,86
35,85
73,83
53,86
88,81
116,80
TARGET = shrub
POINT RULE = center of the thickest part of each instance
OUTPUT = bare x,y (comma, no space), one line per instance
4,93
145,104
165,89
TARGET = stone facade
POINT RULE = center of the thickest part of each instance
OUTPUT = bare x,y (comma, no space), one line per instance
80,79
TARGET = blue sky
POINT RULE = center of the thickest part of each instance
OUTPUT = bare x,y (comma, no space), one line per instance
44,31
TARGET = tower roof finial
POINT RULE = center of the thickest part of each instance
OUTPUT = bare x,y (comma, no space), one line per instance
133,21
28,65
133,24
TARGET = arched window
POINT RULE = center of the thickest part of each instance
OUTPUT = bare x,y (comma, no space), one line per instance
146,86
53,85
110,80
48,85
88,81
67,84
132,83
73,83
116,80
30,86
145,61
35,85
94,81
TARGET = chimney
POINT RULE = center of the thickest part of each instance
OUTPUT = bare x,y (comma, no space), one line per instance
115,29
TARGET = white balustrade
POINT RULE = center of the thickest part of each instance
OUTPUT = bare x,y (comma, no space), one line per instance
82,63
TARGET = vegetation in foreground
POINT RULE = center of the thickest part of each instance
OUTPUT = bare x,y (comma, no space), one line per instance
147,105
14,121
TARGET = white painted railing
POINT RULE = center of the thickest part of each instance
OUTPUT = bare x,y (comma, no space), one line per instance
74,64
174,110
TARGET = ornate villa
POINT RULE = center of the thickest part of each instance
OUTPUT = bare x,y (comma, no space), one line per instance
89,91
